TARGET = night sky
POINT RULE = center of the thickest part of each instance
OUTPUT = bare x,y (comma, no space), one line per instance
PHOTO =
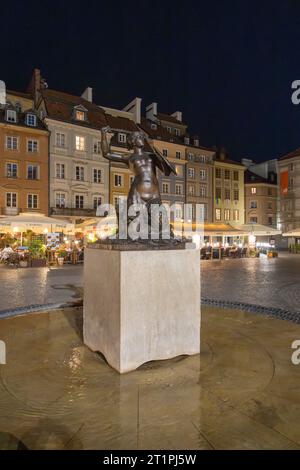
228,65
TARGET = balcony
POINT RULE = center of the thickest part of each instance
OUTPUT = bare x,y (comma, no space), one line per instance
71,211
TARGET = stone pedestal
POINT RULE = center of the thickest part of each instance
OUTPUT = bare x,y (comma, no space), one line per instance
141,306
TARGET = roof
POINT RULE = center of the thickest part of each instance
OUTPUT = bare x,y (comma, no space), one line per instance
60,106
21,119
227,160
251,177
20,93
294,153
168,118
159,132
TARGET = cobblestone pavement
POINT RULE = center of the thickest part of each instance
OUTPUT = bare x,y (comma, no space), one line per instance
242,392
263,282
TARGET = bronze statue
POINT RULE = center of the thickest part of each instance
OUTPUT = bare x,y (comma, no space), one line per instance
144,188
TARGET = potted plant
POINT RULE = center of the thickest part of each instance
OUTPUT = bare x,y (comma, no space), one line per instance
23,260
37,252
61,256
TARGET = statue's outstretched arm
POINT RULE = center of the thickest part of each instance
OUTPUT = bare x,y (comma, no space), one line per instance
105,147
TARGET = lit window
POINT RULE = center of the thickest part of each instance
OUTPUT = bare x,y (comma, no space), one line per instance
32,172
80,115
218,214
31,120
227,215
11,115
32,201
236,215
60,140
118,180
122,137
11,170
60,171
179,170
97,175
253,190
12,143
79,174
80,143
32,146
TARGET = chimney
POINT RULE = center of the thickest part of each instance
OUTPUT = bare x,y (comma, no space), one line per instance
247,162
88,94
36,84
2,93
134,107
222,154
196,141
151,111
177,115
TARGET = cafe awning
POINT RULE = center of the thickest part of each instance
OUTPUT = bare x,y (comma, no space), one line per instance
259,230
292,233
36,222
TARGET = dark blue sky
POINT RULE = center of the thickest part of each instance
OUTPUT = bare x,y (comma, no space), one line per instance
228,65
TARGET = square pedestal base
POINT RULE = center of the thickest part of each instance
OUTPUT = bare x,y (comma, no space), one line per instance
141,306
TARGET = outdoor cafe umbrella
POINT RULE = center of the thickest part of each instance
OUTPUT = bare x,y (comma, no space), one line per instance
36,222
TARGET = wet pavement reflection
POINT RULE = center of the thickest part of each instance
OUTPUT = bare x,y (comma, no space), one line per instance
241,392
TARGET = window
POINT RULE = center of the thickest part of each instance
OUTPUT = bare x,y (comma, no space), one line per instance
60,200
227,194
79,173
97,175
153,125
236,215
178,212
80,143
218,173
236,195
253,204
11,199
218,194
60,140
60,171
177,132
80,115
97,147
270,220
32,201
169,129
202,175
202,158
32,146
32,172
31,120
191,173
236,176
12,143
79,201
178,155
291,183
291,166
190,156
202,191
227,215
165,152
122,137
253,220
227,174
118,180
165,188
218,214
11,170
253,190
270,205
97,201
191,190
178,189
11,115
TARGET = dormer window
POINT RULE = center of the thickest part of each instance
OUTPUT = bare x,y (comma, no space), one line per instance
177,132
31,120
11,115
122,137
153,125
80,113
